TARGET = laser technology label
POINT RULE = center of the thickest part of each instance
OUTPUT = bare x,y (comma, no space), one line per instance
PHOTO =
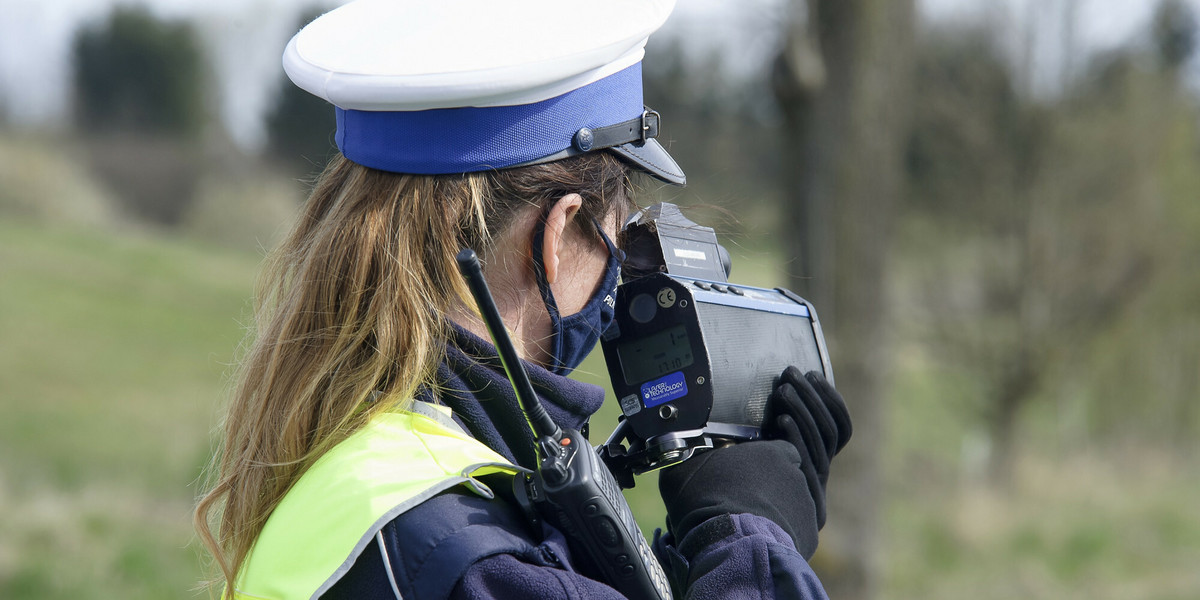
664,390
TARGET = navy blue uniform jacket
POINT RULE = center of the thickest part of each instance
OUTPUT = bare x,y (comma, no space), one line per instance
462,546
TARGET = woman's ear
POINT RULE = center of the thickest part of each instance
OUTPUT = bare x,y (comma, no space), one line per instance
561,212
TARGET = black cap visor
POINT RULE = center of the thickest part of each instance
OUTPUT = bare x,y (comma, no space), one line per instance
632,140
652,158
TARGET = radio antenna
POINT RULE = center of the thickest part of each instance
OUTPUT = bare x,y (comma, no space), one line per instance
570,487
539,420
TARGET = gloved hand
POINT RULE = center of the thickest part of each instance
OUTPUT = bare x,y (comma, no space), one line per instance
808,413
761,478
781,478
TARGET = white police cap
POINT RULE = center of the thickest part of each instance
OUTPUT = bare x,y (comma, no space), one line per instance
455,86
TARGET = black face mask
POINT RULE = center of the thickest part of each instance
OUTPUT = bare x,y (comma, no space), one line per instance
574,336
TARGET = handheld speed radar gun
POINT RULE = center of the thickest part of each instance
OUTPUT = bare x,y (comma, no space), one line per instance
692,357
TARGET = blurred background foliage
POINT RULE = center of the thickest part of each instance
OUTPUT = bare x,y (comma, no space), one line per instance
1033,333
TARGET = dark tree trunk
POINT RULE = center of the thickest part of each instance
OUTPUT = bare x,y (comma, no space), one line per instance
1015,389
844,178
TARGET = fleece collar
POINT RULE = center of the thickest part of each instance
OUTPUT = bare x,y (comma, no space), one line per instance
472,383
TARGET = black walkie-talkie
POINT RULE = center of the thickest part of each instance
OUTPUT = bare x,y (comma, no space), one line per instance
570,487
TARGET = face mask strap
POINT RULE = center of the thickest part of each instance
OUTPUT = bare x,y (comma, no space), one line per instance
613,250
539,270
539,241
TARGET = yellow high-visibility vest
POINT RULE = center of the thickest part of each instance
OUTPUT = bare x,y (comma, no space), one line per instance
392,464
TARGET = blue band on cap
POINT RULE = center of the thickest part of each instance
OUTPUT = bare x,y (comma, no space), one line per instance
461,140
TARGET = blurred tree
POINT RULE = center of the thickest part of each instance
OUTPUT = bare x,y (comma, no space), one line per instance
136,73
139,95
1125,284
973,161
730,143
1174,33
845,142
300,126
797,78
967,131
1056,225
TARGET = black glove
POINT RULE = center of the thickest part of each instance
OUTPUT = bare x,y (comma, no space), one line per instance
761,478
808,413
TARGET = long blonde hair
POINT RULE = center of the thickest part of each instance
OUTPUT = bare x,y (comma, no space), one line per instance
352,305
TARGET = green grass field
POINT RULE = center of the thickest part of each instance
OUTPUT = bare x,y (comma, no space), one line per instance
112,368
110,372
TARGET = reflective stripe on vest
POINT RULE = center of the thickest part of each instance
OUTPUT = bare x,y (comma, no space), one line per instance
392,464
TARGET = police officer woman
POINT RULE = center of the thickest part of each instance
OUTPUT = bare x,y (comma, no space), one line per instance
372,432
